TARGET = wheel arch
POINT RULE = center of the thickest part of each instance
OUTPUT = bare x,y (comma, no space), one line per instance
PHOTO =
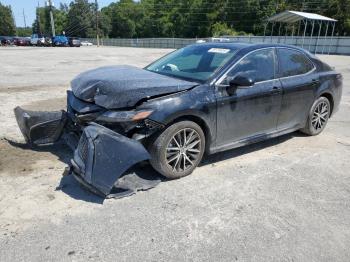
330,98
199,121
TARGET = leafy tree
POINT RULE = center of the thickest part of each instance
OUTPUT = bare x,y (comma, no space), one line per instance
104,24
184,18
23,31
7,22
122,16
221,29
60,16
43,15
81,19
340,10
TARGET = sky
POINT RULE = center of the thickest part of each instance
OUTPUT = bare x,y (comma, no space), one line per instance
30,5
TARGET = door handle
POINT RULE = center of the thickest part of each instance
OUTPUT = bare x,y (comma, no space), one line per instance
275,90
315,81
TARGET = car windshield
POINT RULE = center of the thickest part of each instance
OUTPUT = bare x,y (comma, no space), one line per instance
196,63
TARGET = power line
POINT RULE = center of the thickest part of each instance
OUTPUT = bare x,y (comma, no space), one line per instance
77,30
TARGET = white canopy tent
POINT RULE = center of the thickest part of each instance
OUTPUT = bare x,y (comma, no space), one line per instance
301,18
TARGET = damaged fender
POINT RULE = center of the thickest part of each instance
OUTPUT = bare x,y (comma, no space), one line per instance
40,128
103,155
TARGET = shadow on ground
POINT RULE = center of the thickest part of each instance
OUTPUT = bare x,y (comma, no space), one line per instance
70,186
240,151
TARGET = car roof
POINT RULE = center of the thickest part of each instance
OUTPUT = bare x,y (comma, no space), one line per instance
247,46
234,45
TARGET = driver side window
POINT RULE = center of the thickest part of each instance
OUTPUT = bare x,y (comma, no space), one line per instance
259,66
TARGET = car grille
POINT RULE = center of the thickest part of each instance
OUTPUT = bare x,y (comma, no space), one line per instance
46,131
83,147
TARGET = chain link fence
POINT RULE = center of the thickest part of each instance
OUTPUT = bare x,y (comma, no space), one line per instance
321,45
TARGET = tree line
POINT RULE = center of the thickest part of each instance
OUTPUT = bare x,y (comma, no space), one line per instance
172,18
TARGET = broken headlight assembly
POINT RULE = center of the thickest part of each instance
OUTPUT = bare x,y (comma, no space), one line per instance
123,116
133,123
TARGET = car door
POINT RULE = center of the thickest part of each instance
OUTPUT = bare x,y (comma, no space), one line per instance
299,81
250,111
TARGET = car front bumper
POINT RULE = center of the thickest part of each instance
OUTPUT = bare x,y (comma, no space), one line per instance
101,157
40,128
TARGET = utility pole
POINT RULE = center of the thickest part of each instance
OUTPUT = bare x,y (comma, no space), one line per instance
97,33
52,20
38,19
24,18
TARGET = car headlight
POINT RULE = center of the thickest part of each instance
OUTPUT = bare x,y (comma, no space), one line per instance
124,116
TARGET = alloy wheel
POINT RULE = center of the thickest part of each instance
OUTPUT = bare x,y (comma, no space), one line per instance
183,150
320,115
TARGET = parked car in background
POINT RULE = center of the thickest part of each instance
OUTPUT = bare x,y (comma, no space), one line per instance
220,39
21,41
37,39
5,40
86,43
74,42
48,41
40,40
60,40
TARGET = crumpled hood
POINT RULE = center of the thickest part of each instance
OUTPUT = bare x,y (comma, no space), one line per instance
115,87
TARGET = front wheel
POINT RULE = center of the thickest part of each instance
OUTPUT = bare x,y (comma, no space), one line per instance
178,150
318,117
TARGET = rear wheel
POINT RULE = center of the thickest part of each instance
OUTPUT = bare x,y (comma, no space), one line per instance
178,150
318,117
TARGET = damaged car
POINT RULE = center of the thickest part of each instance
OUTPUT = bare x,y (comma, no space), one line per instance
203,98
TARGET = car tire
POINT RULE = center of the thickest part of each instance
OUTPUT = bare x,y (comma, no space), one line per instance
173,156
317,117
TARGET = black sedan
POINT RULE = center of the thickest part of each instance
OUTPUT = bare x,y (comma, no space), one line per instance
21,41
203,98
5,40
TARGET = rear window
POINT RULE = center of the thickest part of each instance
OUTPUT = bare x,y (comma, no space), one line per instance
292,62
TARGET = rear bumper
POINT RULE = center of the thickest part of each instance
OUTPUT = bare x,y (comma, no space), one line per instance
337,93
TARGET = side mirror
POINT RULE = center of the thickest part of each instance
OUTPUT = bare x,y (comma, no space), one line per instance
238,82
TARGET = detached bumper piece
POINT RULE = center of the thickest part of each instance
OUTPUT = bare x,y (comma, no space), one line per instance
40,128
102,156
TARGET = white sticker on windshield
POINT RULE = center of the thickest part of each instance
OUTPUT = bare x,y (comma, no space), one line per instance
218,50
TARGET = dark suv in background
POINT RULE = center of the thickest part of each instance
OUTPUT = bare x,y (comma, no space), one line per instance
74,42
5,40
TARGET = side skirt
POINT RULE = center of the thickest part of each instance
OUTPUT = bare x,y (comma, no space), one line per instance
252,140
